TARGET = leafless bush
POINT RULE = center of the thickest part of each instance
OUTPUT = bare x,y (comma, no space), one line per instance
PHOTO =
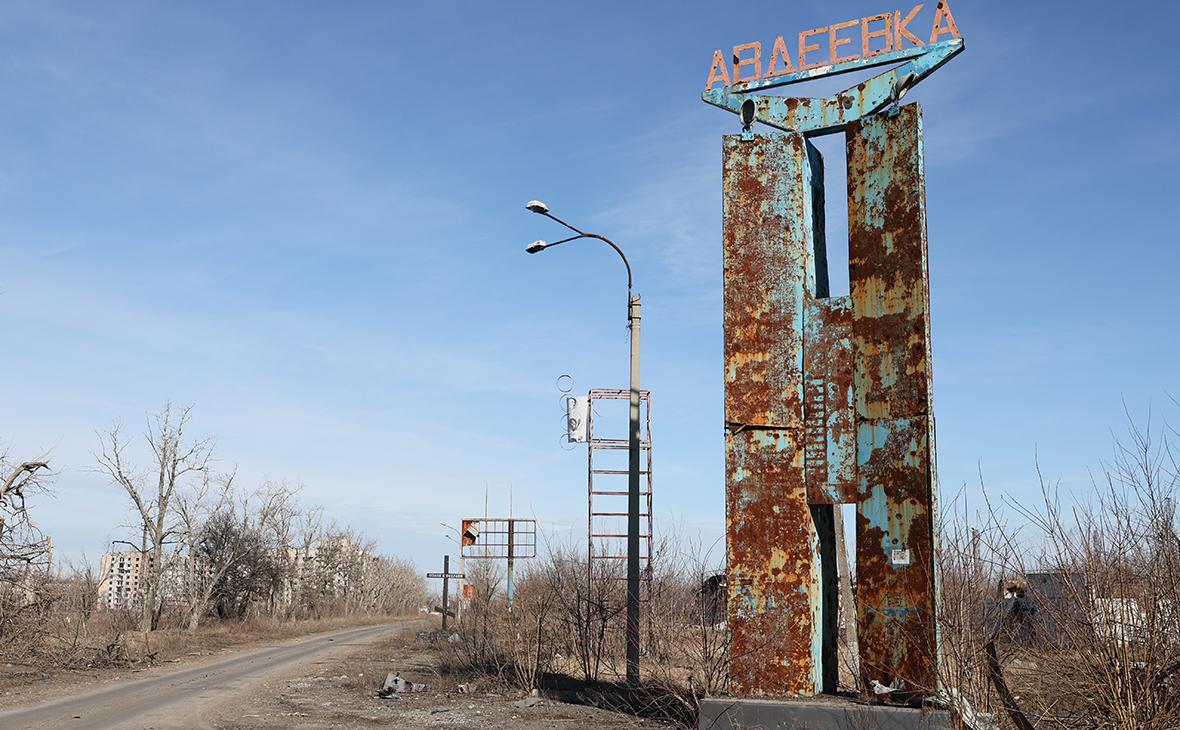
590,606
686,642
1071,621
481,648
567,621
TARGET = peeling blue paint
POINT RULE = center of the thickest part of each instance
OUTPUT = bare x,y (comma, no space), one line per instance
818,116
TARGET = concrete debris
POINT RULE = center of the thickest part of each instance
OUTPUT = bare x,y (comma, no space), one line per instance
436,637
952,699
880,689
396,684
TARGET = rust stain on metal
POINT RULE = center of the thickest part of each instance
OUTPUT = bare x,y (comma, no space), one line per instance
896,561
830,423
773,585
774,569
887,265
895,555
828,399
763,282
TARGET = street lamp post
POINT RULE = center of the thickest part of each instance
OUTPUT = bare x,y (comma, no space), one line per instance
540,208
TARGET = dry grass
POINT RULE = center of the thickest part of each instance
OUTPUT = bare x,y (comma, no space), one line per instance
567,632
339,693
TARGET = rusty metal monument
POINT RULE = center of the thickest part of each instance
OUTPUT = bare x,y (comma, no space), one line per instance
828,398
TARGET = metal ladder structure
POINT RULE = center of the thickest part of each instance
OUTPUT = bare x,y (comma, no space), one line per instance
606,519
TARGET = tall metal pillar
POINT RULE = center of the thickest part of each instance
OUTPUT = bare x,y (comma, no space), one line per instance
775,570
896,482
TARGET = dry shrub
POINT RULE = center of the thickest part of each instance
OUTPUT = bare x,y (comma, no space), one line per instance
567,630
1071,621
514,648
1091,641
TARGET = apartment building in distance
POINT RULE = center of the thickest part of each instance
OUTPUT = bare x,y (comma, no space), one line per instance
122,578
124,575
332,566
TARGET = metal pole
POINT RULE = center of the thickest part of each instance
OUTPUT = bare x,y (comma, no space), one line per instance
511,536
446,580
633,457
633,503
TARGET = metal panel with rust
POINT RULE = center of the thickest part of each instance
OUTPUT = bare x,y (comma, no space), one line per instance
896,482
827,399
772,548
774,607
766,213
887,265
826,115
895,554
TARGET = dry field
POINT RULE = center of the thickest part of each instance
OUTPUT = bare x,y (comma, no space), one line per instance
340,693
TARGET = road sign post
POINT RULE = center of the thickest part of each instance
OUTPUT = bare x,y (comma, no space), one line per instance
446,576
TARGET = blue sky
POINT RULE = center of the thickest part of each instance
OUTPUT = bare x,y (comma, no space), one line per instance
307,220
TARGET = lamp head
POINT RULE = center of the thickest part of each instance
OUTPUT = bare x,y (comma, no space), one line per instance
536,247
537,206
902,84
748,112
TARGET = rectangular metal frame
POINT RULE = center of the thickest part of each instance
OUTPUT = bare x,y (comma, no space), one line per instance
612,503
498,534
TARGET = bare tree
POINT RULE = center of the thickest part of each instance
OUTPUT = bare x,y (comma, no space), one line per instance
1071,619
278,519
20,541
393,586
174,458
301,582
24,559
216,539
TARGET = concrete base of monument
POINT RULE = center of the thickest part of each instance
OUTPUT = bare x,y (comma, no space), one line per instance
814,713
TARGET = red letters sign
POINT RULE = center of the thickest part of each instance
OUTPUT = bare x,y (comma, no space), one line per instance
879,34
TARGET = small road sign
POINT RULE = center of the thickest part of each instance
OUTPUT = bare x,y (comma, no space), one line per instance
447,576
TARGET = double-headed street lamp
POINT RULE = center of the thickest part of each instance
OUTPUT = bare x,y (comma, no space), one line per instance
540,208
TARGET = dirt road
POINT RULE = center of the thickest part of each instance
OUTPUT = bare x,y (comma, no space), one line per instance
181,698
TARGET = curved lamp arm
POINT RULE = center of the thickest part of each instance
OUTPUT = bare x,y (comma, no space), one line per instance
605,240
543,210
